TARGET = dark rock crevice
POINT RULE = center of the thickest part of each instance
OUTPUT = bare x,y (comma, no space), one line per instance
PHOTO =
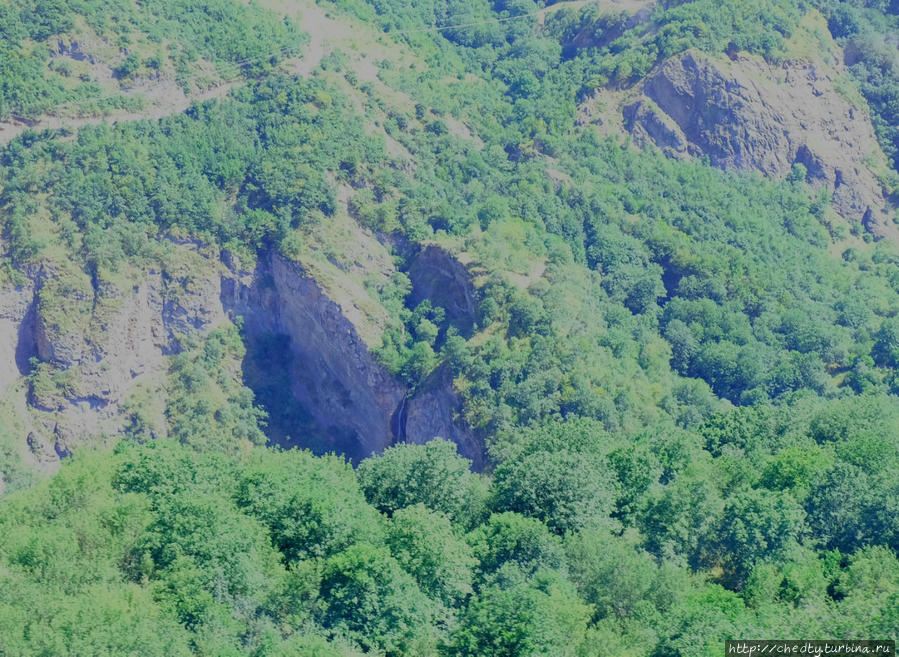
439,277
344,400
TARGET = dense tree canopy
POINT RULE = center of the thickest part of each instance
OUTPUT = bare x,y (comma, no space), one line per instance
684,379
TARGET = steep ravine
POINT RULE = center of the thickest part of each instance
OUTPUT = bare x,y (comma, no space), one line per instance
351,401
334,377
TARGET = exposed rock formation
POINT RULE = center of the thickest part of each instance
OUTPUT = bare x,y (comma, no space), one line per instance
745,114
124,335
119,337
440,277
436,410
17,313
349,395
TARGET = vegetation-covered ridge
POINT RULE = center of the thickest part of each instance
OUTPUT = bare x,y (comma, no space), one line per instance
685,378
79,57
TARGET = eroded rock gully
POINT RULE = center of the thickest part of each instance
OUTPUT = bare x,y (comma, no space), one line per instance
352,399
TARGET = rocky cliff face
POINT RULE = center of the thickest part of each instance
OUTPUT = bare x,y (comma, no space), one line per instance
437,275
435,410
349,395
126,335
95,345
354,402
745,114
17,326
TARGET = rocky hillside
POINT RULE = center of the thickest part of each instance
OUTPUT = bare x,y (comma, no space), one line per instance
746,115
93,342
633,262
122,338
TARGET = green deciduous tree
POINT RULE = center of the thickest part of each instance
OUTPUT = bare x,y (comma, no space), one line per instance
432,474
566,490
368,595
312,506
426,545
522,616
510,538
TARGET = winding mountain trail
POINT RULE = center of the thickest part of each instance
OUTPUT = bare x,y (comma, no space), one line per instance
165,98
173,101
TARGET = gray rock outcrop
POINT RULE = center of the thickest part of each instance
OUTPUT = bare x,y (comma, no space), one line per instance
349,395
123,336
745,114
438,276
436,410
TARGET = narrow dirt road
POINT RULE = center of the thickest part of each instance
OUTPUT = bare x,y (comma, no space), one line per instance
173,102
166,98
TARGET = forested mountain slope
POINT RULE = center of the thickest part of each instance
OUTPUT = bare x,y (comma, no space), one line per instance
635,262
